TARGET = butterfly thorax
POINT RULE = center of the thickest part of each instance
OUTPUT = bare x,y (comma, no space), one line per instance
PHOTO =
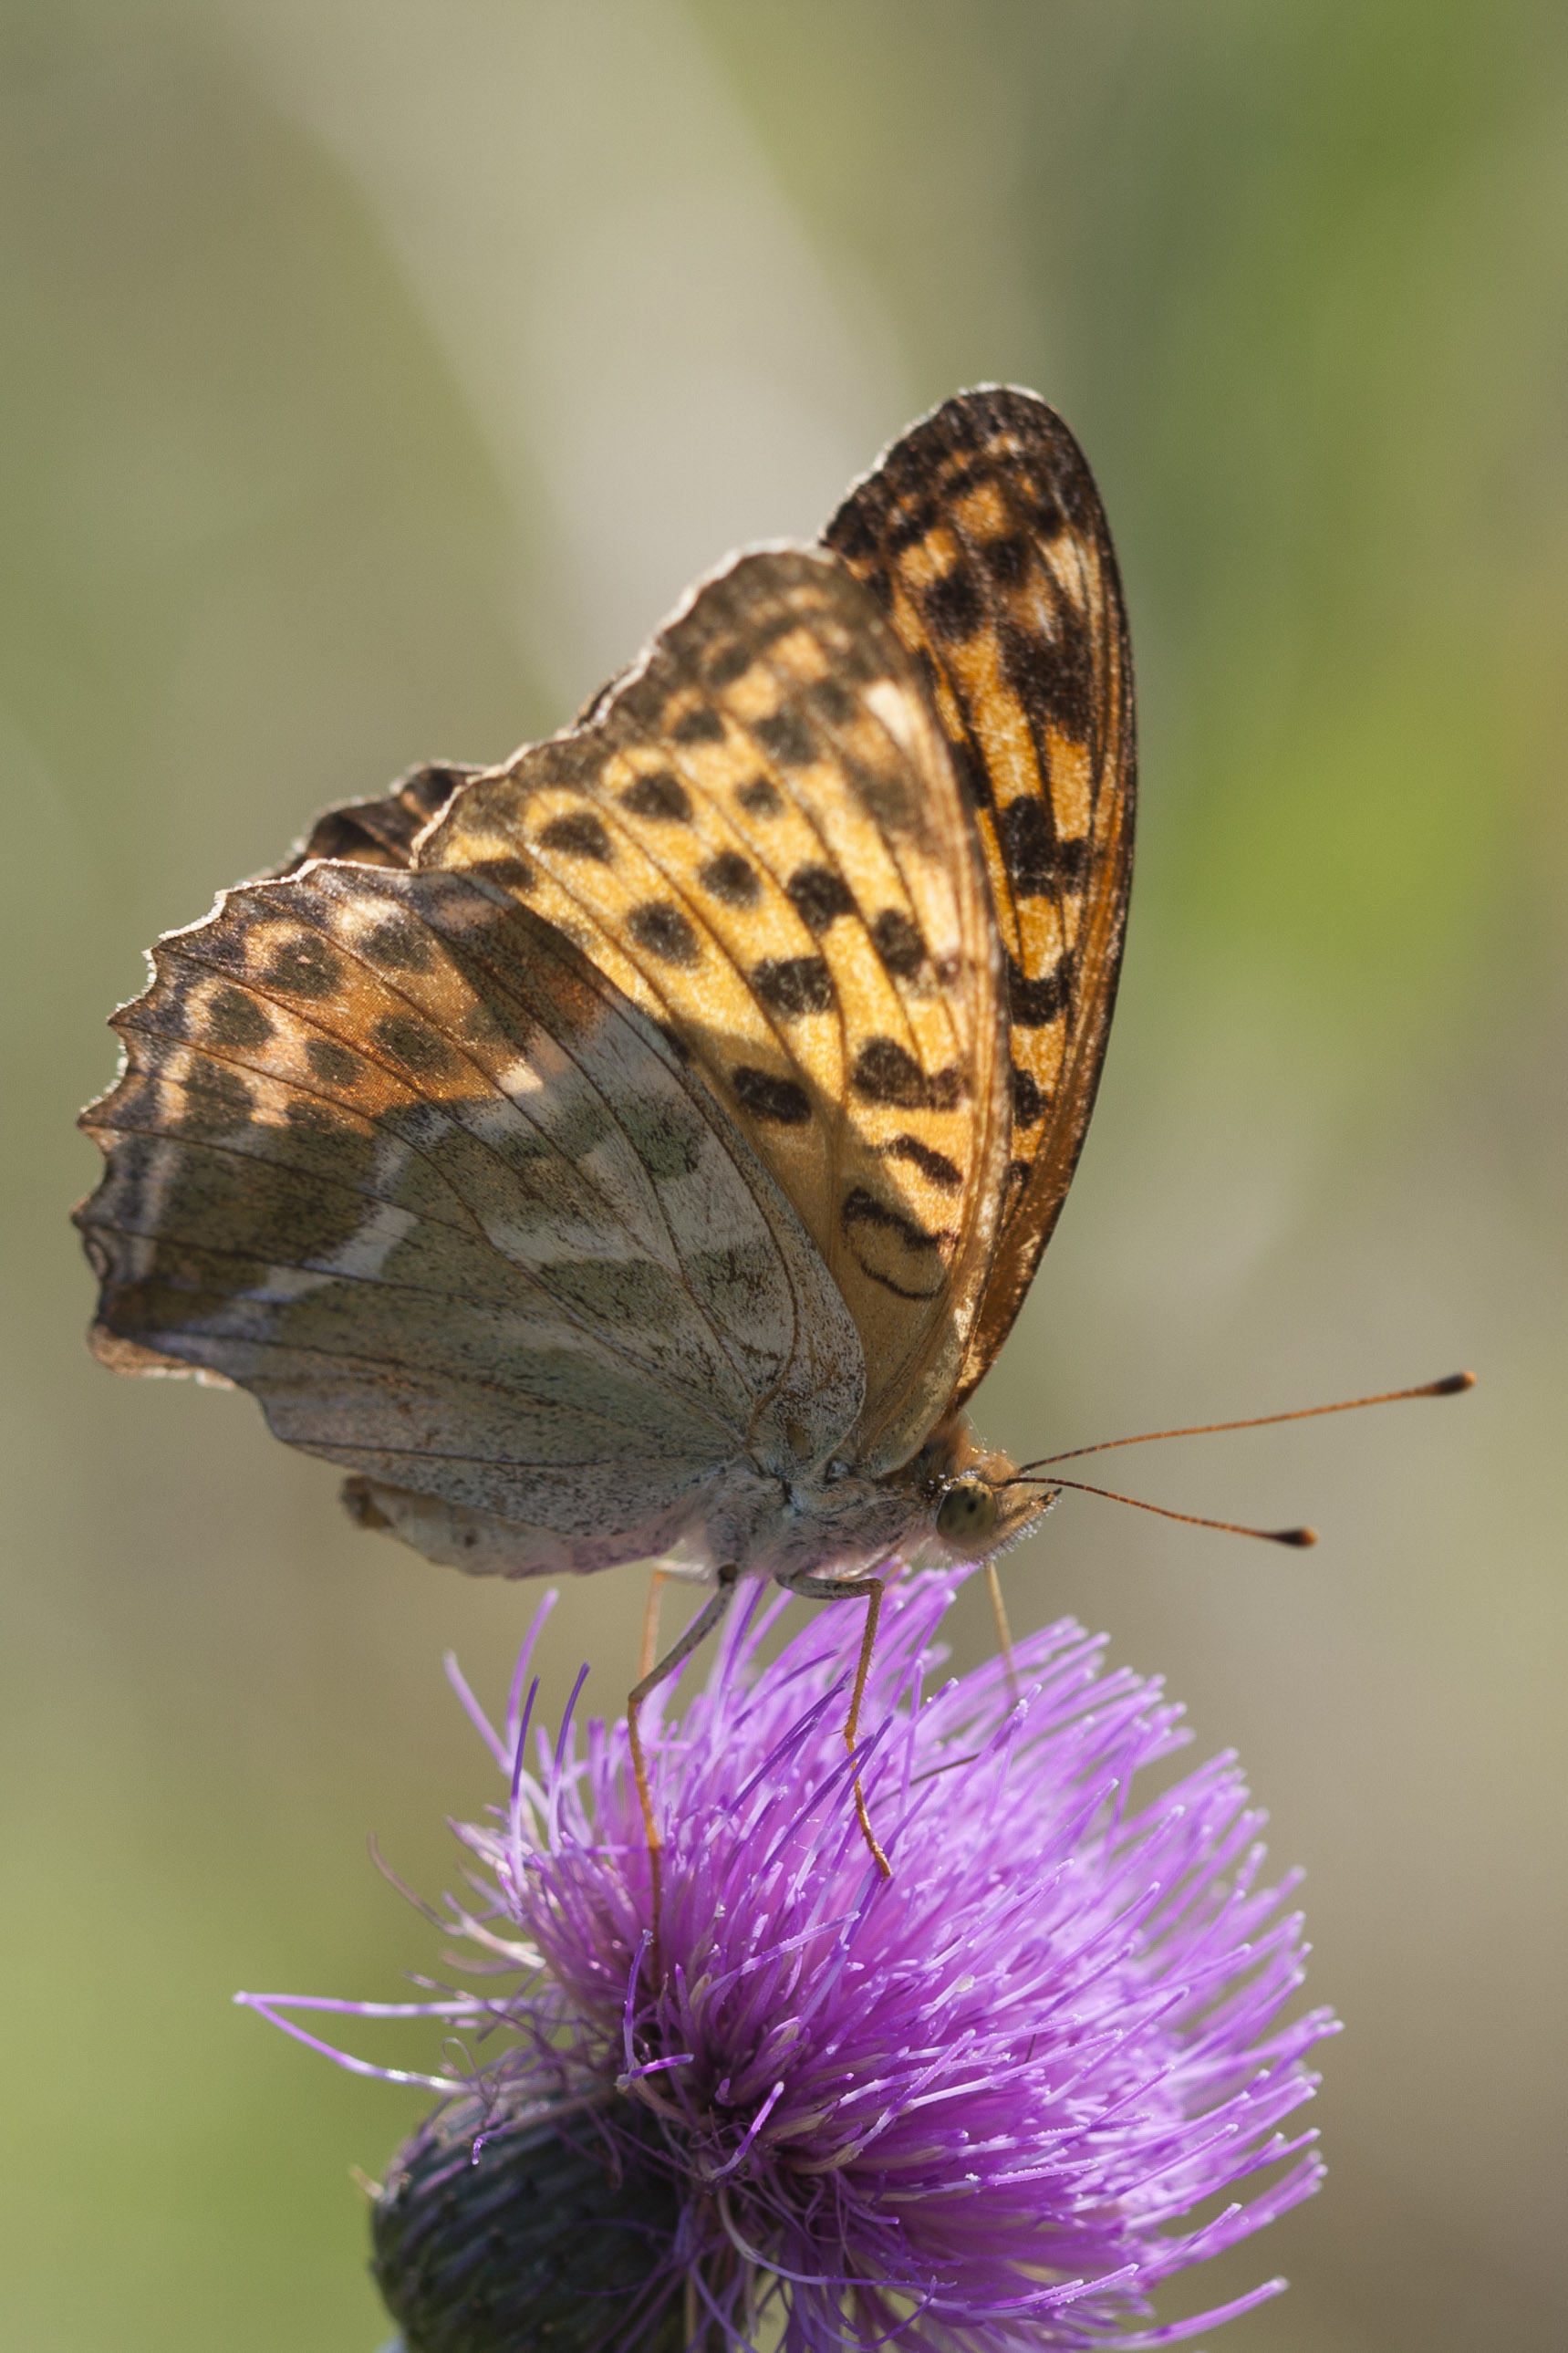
954,1499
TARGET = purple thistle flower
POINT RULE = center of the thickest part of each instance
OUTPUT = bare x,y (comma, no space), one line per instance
975,2106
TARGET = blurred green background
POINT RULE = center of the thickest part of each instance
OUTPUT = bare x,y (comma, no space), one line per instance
374,375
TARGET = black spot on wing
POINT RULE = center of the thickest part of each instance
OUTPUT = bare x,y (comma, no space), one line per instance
1051,510
794,985
853,536
333,1064
580,834
700,724
935,1165
1028,845
730,878
234,1020
896,939
664,931
887,1072
760,797
954,606
766,629
306,967
1053,677
1072,862
786,738
1029,1104
819,895
659,796
414,1044
215,1100
1034,1003
974,776
427,789
400,944
1014,1182
767,1097
834,701
863,1208
731,662
1005,560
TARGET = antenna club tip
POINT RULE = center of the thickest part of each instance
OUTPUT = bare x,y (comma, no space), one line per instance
1453,1383
1301,1537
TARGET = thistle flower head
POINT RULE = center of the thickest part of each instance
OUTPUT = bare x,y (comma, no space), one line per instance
977,2105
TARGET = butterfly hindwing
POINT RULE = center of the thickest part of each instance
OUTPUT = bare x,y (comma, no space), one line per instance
380,832
389,1152
982,536
757,834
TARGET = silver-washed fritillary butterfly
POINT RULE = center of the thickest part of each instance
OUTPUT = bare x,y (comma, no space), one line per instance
641,1149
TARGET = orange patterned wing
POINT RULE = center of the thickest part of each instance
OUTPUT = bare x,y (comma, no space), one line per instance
758,835
982,535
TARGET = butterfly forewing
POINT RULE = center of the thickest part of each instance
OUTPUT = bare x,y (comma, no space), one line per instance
982,535
389,1152
757,834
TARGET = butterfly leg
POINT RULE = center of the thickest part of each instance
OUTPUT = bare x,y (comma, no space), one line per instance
674,1658
1004,1631
854,1588
650,1622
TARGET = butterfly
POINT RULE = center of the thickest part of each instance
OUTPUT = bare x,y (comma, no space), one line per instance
641,1149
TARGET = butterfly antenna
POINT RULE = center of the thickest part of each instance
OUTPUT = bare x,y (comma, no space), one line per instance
1301,1537
1451,1384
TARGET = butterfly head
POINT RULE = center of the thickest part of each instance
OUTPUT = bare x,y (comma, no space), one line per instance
967,1515
972,1500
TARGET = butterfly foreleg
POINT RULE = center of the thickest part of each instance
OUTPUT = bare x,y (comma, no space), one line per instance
674,1658
852,1588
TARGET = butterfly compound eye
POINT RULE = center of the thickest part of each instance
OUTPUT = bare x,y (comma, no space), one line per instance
966,1513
